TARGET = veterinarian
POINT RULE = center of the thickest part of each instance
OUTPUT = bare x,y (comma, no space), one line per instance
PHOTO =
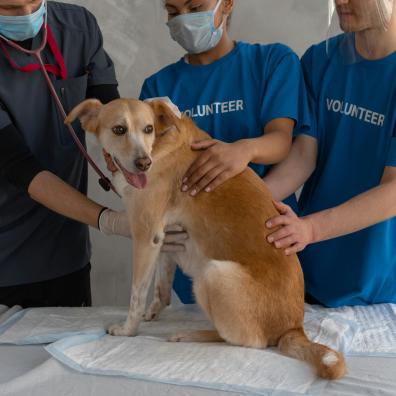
44,256
248,97
346,225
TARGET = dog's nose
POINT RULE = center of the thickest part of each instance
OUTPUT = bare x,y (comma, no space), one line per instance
143,163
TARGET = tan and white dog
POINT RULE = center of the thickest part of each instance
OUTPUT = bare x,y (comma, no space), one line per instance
252,292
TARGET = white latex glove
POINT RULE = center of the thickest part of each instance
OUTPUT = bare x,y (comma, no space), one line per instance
116,223
172,106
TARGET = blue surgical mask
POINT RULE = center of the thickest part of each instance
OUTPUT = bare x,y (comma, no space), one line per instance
196,32
20,28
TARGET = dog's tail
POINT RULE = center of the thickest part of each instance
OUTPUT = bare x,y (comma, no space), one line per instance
329,364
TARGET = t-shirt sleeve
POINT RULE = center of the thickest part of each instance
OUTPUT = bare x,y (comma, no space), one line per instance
307,70
101,68
148,91
284,94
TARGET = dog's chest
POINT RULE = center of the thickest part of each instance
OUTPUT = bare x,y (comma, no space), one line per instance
192,260
121,185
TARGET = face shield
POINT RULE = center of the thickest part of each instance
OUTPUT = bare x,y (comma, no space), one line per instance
355,28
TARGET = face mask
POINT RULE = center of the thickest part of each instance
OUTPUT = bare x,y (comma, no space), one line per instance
20,28
196,32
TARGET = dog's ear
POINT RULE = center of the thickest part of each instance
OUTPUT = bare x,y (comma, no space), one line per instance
87,112
165,117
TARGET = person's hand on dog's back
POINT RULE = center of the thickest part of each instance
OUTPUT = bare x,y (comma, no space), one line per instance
218,162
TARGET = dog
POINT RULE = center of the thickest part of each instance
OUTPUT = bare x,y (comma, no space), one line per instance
252,292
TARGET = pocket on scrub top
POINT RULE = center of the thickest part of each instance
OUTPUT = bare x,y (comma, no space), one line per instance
71,92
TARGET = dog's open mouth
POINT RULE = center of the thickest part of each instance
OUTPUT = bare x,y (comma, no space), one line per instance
138,181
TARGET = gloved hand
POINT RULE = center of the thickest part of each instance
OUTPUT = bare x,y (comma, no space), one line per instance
116,223
111,222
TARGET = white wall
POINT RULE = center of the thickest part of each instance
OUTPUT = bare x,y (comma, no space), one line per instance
137,39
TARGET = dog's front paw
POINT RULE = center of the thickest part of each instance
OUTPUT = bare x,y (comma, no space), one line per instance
122,330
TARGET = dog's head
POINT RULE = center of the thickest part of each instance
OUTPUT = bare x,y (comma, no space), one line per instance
127,129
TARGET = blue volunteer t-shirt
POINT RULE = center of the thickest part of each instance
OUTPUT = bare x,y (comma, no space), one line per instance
354,107
235,97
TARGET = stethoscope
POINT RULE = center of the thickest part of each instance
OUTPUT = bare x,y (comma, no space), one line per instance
104,182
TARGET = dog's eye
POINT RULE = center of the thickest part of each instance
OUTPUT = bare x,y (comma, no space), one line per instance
149,129
119,130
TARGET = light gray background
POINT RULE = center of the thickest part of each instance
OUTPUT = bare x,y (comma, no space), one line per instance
137,39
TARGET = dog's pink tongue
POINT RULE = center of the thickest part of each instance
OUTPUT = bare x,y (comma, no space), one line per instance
138,181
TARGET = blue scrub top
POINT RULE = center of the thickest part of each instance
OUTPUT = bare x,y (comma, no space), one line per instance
234,98
355,110
37,244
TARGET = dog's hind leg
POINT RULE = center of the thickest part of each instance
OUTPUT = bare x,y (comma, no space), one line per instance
164,275
226,292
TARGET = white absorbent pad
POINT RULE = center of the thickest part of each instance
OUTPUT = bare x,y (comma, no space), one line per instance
359,330
44,325
217,366
368,330
9,315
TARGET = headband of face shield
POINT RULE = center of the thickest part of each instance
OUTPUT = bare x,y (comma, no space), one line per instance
352,27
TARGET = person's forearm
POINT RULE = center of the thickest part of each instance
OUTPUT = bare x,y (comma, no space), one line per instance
52,192
287,177
362,211
270,148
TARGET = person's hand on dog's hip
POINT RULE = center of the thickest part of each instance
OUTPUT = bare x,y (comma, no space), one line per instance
112,222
